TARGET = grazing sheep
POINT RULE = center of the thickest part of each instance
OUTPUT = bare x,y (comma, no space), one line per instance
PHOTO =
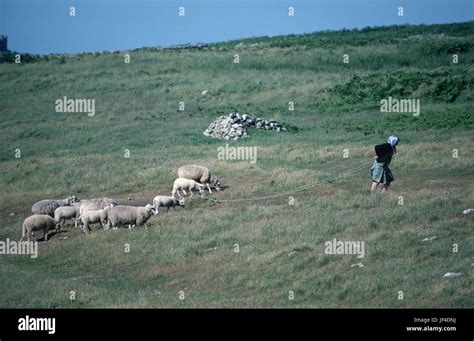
91,217
183,184
131,215
165,201
200,174
48,206
37,222
66,212
96,204
104,215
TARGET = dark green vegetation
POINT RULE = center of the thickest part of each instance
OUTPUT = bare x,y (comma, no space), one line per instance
192,249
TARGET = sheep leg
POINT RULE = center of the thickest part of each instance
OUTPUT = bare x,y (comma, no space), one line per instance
45,234
209,187
28,234
85,228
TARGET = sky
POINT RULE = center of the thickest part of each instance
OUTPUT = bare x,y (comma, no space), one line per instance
46,26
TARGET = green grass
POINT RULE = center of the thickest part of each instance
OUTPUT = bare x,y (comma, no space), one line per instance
192,249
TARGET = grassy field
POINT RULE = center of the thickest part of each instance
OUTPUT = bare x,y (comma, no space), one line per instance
281,246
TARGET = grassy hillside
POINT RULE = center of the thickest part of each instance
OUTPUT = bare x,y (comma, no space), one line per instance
281,246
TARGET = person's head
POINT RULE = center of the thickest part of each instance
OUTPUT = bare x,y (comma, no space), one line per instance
393,141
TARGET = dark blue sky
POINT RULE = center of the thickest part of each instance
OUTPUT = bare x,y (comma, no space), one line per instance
44,26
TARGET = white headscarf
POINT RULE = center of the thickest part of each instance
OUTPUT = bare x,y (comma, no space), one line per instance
393,141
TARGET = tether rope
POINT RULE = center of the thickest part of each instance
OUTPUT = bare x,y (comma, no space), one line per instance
359,166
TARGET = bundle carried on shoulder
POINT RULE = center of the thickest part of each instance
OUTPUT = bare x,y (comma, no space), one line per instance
382,150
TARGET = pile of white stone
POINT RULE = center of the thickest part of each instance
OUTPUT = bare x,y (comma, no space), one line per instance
234,126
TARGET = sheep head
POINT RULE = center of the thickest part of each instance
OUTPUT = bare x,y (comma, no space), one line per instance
72,199
151,209
216,183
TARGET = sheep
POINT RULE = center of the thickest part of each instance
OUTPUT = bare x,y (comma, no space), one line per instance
96,204
66,212
95,216
200,174
91,217
165,201
48,206
183,184
131,215
37,222
104,215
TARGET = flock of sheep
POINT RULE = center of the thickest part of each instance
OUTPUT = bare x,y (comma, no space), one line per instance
52,214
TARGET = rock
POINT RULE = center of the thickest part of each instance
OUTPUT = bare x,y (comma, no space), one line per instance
234,126
449,275
467,211
359,265
12,214
206,93
429,239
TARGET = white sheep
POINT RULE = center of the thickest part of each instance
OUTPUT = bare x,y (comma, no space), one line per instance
95,216
165,201
66,212
37,222
48,206
91,217
131,215
200,174
96,204
186,184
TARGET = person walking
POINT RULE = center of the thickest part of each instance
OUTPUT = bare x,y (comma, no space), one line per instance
383,155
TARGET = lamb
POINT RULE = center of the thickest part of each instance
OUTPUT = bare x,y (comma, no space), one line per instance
96,204
94,216
37,222
91,217
165,201
66,212
48,206
131,215
200,174
183,184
